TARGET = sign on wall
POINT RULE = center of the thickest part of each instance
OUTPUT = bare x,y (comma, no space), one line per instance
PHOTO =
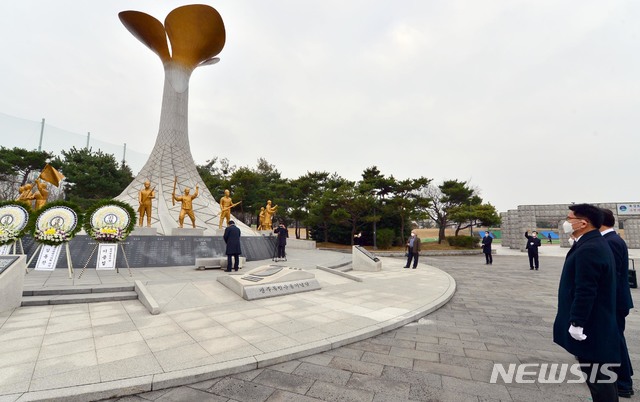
628,209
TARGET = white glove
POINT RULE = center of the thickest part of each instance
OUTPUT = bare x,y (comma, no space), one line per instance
576,333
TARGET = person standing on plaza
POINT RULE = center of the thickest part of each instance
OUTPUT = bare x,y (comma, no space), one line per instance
532,249
281,242
486,247
624,302
232,239
549,238
585,323
413,250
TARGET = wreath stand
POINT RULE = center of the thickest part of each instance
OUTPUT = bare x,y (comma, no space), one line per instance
95,247
68,252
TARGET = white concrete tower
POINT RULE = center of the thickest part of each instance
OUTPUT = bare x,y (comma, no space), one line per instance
197,35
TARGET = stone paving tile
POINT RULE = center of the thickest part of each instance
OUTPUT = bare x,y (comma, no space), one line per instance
414,354
369,346
129,367
189,394
321,359
389,341
356,366
284,381
323,373
346,352
443,369
332,392
242,391
424,393
496,391
387,360
417,337
378,385
286,396
412,376
286,367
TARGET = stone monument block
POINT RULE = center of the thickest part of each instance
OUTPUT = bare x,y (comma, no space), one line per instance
216,262
301,244
363,260
12,271
270,281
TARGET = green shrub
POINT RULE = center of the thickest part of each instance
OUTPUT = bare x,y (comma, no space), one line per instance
384,238
463,241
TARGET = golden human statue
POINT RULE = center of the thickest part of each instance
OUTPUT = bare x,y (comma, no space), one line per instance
41,195
226,203
268,215
261,218
145,196
187,205
25,196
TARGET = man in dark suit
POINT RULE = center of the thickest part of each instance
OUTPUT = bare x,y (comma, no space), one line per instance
232,239
624,302
532,249
281,242
585,323
486,247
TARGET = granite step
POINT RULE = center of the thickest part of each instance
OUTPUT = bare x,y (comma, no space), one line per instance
42,300
66,290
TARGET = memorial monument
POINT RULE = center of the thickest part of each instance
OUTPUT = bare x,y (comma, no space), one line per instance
197,35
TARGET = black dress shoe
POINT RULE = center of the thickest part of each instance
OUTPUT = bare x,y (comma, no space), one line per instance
405,267
227,270
531,269
625,393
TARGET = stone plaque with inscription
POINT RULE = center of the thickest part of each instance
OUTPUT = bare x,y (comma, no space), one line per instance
270,281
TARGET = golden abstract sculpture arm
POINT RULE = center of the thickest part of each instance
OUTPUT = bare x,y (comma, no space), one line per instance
196,33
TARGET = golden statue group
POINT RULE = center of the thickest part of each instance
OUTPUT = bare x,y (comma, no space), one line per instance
37,198
266,216
147,194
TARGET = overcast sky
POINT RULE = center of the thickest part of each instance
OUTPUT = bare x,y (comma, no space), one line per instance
532,102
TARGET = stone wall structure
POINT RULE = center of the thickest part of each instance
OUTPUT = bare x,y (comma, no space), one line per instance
517,221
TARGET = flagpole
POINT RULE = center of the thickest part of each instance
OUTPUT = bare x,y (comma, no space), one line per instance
41,134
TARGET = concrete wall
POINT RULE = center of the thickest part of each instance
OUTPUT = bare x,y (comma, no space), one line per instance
517,221
11,284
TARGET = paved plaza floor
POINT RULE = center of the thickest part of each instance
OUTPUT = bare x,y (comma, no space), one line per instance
501,313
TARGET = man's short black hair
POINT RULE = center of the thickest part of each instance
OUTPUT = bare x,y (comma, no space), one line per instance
588,212
608,219
232,223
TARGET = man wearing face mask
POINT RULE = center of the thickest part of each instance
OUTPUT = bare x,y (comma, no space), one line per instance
532,249
486,247
585,323
413,250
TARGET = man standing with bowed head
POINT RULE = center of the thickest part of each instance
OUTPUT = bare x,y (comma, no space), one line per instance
624,302
232,239
486,247
585,324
